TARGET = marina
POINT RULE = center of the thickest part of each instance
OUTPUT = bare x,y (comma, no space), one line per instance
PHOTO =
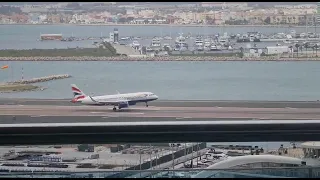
89,34
211,42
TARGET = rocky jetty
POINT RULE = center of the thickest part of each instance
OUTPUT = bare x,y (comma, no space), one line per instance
166,58
41,79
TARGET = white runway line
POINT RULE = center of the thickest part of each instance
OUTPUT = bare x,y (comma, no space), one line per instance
290,108
179,117
128,113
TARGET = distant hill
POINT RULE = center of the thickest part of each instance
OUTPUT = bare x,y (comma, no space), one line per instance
166,3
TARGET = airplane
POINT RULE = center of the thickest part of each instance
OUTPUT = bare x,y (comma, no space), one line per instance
120,100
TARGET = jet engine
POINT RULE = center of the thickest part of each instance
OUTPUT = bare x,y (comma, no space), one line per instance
123,105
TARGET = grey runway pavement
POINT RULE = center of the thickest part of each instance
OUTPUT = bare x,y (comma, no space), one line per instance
9,119
69,114
178,103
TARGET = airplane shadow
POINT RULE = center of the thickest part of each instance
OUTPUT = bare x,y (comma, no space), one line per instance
109,110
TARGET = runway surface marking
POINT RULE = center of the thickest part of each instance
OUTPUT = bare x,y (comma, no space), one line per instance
175,112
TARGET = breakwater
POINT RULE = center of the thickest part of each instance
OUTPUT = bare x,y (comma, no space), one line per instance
41,79
166,58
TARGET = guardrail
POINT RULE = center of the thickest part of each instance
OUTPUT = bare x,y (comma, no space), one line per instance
161,131
269,172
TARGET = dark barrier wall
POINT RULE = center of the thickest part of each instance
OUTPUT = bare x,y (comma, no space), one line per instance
159,132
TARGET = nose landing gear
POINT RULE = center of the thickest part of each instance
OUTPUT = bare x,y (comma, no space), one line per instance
114,109
147,104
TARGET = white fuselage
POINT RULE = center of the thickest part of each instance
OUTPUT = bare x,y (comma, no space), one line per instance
132,98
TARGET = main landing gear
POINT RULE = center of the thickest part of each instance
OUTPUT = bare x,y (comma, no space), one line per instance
115,108
147,104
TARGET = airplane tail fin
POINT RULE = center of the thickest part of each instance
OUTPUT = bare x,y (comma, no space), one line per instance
77,93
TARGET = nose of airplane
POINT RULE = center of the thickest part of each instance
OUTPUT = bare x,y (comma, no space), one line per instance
156,97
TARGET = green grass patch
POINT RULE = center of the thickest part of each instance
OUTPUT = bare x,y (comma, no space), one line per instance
107,51
17,87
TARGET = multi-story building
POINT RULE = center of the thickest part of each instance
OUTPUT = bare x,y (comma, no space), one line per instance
318,13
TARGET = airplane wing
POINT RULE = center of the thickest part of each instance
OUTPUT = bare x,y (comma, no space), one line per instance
113,102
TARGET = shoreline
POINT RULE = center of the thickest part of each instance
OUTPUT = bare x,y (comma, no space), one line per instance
172,25
167,58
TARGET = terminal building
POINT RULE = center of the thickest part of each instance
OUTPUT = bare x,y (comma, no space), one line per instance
227,167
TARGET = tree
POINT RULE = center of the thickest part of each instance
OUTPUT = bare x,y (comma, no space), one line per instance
306,45
122,20
241,49
144,50
241,52
316,46
267,20
129,19
297,46
291,49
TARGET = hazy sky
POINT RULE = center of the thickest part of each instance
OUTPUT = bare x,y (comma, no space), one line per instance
250,3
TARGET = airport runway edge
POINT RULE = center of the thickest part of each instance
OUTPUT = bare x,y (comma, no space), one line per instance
69,114
178,103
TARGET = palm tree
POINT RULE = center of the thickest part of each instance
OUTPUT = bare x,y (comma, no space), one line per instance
313,50
291,50
306,45
297,46
241,52
316,46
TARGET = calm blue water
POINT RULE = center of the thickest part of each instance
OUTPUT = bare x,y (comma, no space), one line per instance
176,80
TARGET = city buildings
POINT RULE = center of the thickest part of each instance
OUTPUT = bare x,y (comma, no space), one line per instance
211,13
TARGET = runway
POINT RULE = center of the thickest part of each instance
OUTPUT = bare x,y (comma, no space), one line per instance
179,103
67,114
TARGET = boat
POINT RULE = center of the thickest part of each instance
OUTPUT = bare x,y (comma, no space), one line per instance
198,42
155,43
180,43
125,38
51,37
243,38
135,44
167,38
215,47
136,38
207,44
286,41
